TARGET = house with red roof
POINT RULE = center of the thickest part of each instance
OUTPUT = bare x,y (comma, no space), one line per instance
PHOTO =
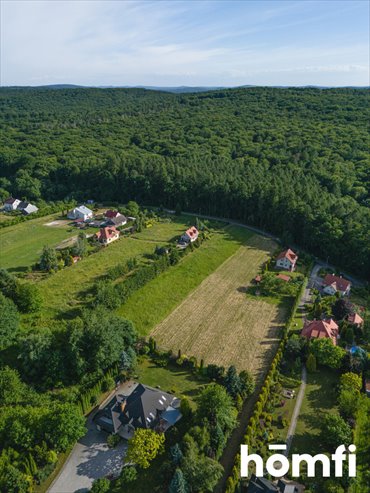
110,214
336,284
318,329
107,235
190,235
283,277
355,319
287,260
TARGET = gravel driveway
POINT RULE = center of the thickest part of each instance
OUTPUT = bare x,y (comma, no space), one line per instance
91,458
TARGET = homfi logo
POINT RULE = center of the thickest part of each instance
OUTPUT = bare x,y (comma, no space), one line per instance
278,465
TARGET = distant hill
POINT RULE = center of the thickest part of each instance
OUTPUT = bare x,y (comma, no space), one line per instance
176,89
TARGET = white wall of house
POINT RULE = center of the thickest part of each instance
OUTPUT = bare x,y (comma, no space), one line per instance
284,263
13,206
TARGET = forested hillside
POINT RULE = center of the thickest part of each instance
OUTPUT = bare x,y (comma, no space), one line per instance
292,161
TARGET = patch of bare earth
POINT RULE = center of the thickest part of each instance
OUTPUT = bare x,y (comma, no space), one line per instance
218,323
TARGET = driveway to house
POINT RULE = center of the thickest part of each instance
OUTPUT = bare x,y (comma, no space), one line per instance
91,458
297,409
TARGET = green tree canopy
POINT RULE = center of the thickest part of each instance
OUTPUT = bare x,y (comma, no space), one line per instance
145,445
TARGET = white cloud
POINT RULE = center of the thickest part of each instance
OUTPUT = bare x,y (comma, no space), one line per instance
166,43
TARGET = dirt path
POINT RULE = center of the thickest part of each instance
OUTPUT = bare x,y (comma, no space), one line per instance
297,409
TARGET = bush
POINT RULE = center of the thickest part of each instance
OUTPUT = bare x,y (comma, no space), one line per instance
101,485
113,440
128,475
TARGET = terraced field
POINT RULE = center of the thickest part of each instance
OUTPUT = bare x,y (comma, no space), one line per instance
218,323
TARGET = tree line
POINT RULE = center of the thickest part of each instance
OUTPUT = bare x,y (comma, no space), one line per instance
291,161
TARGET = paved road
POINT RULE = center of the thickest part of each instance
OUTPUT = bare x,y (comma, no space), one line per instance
297,409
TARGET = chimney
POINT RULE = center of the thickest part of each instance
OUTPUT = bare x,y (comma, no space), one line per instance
123,406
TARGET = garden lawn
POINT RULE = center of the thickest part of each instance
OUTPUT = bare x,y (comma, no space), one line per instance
320,398
153,302
174,379
22,244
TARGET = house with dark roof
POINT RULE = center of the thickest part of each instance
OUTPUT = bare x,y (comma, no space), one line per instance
145,407
318,329
11,204
287,260
262,485
26,208
117,221
336,284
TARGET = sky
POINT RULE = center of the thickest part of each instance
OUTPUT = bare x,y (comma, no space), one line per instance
185,43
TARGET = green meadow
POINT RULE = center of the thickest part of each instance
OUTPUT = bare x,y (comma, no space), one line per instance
22,244
153,302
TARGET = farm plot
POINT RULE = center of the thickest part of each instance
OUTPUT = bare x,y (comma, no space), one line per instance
219,324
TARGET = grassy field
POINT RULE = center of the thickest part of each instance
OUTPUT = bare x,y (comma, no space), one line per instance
5,217
218,323
21,244
320,397
152,303
69,288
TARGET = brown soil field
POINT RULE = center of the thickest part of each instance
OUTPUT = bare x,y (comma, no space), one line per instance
217,322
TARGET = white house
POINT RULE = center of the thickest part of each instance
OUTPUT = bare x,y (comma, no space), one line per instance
335,284
80,212
11,204
27,208
287,260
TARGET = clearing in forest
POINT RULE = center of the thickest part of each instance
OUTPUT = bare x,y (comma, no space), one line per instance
219,323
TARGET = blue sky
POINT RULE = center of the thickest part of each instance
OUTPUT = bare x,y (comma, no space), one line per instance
171,43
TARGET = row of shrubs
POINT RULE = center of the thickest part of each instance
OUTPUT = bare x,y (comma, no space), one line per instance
233,480
112,296
90,397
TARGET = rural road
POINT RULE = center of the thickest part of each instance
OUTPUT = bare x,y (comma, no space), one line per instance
319,263
297,408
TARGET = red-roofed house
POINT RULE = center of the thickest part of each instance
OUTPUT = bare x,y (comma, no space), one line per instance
317,329
107,235
283,277
11,204
286,260
112,214
355,319
335,284
190,234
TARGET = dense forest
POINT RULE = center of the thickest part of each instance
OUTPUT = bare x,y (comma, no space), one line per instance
292,161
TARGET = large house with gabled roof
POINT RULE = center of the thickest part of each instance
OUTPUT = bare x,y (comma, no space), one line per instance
80,212
318,329
336,284
145,407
